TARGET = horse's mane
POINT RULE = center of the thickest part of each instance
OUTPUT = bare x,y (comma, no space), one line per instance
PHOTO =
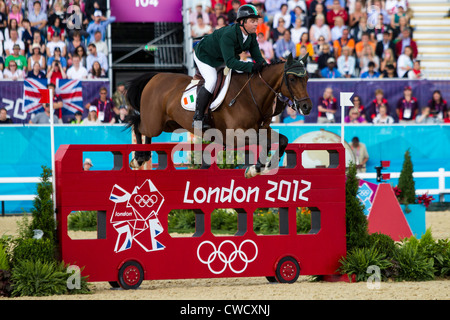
274,63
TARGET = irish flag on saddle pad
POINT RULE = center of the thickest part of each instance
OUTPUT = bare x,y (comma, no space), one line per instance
189,97
189,100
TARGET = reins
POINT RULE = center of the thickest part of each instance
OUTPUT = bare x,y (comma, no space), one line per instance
264,118
237,95
278,95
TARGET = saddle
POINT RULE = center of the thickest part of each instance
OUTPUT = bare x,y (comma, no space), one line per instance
188,99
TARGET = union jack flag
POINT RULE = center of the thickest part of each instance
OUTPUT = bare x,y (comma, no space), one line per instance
71,92
31,94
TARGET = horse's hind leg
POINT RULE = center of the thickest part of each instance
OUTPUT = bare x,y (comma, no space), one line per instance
146,155
140,157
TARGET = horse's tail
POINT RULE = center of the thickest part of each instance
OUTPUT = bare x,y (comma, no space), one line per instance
135,88
134,93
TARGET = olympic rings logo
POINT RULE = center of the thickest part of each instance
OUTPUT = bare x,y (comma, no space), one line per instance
227,261
365,193
146,200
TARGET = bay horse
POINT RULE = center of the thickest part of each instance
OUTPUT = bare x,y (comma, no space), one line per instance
155,99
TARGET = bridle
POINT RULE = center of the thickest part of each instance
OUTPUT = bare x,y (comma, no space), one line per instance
285,100
301,74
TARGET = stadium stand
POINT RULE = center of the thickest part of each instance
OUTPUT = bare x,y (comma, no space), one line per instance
431,22
45,25
369,31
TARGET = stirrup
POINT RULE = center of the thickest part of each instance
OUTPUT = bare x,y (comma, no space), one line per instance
200,124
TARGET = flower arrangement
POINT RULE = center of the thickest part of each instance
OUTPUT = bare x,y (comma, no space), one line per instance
425,199
397,191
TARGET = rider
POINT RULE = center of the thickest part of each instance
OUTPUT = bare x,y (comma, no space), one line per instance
223,47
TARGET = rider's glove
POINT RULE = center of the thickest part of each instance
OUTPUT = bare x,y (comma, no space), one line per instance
257,67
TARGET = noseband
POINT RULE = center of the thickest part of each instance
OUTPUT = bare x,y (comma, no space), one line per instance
296,70
300,72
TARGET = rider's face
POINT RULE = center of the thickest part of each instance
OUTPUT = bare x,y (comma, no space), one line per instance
251,24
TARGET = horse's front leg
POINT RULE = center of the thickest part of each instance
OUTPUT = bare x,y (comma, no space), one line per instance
263,165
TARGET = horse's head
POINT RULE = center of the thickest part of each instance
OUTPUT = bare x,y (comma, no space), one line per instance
295,79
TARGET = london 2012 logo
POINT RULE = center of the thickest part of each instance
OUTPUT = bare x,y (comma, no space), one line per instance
135,217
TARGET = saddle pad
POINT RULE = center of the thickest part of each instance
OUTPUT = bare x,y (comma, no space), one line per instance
189,97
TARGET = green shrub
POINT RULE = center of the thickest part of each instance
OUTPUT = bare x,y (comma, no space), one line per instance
231,159
359,259
406,181
5,283
223,220
24,229
438,250
37,278
383,243
42,211
34,249
83,288
4,260
413,264
441,256
267,222
181,221
356,221
83,220
303,221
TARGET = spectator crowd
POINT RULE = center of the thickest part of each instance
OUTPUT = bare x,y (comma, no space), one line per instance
53,39
371,39
365,39
344,38
59,39
383,110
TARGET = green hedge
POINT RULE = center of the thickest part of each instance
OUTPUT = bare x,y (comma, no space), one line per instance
411,259
31,266
265,221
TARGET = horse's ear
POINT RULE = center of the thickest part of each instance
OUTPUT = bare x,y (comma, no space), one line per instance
305,58
289,59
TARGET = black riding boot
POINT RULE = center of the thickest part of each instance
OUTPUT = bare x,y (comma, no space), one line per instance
203,97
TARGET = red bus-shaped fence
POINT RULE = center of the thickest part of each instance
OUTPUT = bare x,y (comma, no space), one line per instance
133,241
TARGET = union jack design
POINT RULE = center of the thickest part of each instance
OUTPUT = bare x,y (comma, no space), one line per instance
31,94
71,92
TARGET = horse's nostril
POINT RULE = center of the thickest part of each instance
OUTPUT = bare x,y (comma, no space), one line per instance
306,108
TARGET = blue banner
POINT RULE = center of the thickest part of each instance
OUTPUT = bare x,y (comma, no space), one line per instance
365,89
24,149
12,93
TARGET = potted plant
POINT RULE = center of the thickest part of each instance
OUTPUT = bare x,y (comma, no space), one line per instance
413,207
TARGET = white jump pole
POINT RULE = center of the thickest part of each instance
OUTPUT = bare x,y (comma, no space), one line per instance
345,102
52,149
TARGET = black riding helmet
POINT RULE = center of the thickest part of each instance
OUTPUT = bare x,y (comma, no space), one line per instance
247,11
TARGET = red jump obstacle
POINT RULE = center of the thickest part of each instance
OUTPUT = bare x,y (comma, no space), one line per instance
133,242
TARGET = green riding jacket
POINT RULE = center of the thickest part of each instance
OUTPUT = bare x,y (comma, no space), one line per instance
224,46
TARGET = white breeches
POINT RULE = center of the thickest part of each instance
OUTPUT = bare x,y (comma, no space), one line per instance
209,74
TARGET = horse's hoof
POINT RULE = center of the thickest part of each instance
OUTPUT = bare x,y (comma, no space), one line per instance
134,164
265,170
250,172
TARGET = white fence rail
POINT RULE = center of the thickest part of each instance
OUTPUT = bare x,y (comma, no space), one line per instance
18,197
441,174
441,191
